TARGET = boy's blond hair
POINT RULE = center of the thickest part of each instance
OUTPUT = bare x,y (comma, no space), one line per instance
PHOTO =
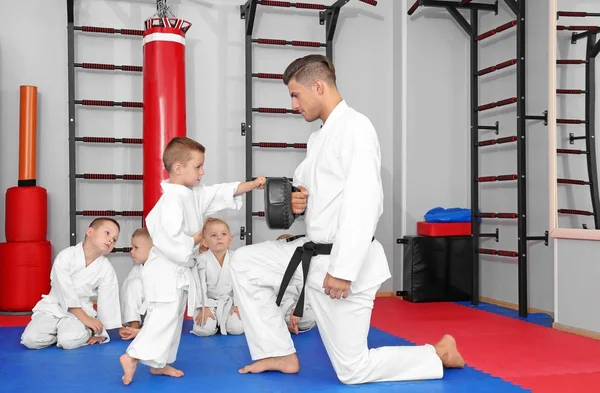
141,232
211,221
284,236
180,149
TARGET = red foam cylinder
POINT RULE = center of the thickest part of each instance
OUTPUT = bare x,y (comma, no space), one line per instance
26,214
24,274
164,98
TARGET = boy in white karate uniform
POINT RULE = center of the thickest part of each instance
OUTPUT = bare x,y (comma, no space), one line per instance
341,194
220,313
133,301
174,225
66,316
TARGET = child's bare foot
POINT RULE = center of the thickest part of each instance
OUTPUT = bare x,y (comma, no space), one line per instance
168,371
286,364
129,364
447,351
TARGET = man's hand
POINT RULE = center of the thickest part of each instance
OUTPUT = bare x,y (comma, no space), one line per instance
336,288
299,200
236,310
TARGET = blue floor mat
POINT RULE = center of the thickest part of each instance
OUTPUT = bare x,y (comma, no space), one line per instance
97,369
541,319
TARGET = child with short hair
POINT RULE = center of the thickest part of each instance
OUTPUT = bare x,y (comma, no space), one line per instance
66,316
220,312
133,302
174,225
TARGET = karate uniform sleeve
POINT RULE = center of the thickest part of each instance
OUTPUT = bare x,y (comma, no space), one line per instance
62,280
168,235
362,199
109,308
212,199
201,271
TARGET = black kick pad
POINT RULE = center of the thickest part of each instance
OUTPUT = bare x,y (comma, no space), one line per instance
278,203
438,269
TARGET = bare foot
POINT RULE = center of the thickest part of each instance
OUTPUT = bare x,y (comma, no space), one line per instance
129,364
288,364
447,351
168,371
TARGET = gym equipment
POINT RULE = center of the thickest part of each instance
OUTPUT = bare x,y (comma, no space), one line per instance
25,258
278,209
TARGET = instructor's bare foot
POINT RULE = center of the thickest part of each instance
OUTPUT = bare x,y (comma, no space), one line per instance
447,351
129,364
288,364
168,371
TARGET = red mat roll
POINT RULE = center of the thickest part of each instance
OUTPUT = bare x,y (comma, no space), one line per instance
26,214
164,98
24,274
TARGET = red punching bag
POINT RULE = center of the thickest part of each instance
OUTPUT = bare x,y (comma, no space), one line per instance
25,258
164,98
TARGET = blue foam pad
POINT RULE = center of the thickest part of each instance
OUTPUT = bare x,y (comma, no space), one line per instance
541,319
210,365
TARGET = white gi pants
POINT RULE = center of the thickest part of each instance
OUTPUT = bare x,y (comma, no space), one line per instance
344,324
45,330
157,342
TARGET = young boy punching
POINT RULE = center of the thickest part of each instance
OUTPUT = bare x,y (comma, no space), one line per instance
220,312
133,302
174,225
66,316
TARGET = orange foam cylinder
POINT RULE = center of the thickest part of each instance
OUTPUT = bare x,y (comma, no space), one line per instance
27,135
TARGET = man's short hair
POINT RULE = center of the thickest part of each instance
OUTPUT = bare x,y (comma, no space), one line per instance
180,149
305,70
101,220
141,232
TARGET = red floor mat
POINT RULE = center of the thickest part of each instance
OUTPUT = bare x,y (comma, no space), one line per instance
514,350
576,383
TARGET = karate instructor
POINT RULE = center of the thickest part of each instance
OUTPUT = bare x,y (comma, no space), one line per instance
342,197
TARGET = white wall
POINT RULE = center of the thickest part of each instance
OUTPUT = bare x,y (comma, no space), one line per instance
438,136
215,99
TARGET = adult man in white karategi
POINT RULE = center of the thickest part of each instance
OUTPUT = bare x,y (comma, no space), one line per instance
342,197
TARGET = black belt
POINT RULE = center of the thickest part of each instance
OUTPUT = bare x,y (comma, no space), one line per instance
302,254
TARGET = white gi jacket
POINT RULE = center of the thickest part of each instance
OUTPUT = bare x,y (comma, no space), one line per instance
341,171
216,285
172,223
75,285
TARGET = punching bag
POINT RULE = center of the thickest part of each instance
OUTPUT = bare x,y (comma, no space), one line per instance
164,98
25,258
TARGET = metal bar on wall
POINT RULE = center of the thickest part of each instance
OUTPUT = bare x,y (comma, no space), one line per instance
590,125
475,154
72,146
521,163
